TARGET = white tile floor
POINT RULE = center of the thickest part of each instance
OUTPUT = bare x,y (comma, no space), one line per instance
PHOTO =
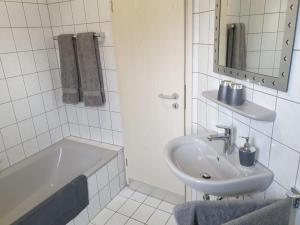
134,208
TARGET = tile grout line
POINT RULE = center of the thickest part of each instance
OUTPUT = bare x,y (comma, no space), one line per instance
141,203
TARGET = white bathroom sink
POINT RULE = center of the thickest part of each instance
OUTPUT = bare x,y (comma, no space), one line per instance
202,165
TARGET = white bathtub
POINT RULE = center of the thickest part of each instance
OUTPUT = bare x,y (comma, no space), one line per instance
28,183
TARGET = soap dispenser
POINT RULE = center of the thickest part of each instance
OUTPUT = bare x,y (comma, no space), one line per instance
247,154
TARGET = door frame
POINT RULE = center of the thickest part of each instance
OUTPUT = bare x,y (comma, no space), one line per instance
188,76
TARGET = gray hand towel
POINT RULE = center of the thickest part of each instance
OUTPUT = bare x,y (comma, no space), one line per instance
239,47
69,71
224,212
90,70
230,40
236,46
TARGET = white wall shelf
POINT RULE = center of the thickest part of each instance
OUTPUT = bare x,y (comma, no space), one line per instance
248,109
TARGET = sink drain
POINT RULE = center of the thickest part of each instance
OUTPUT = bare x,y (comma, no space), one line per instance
206,176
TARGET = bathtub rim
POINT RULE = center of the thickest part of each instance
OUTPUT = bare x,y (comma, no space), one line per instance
113,154
19,165
116,149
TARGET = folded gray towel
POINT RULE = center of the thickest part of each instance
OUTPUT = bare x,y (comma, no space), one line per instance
61,207
239,47
236,46
224,212
90,70
69,71
230,40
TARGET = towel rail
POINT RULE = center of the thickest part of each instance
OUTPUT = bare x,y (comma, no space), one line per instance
295,195
101,35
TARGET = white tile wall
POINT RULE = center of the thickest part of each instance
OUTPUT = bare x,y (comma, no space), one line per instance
102,191
32,114
98,123
277,142
29,119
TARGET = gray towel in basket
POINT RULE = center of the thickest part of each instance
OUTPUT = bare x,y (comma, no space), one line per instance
234,212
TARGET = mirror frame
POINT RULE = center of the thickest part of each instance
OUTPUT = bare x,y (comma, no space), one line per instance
279,83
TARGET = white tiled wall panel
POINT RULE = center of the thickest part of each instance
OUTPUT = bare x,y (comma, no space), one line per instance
277,142
32,114
29,120
103,190
97,123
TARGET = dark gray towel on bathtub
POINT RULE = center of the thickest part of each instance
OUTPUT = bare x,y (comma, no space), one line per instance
61,207
90,70
69,71
234,212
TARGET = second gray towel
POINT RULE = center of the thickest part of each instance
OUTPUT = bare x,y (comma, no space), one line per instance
69,72
90,70
235,212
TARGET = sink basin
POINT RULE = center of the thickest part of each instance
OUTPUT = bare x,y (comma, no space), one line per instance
202,165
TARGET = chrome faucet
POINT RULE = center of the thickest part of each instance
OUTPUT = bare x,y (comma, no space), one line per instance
226,137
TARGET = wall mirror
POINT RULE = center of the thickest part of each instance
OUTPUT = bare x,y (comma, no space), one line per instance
254,40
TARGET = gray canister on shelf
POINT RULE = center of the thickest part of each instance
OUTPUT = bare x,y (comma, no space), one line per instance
236,94
224,90
247,154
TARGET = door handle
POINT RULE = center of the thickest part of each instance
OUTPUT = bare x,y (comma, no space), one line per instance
174,96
